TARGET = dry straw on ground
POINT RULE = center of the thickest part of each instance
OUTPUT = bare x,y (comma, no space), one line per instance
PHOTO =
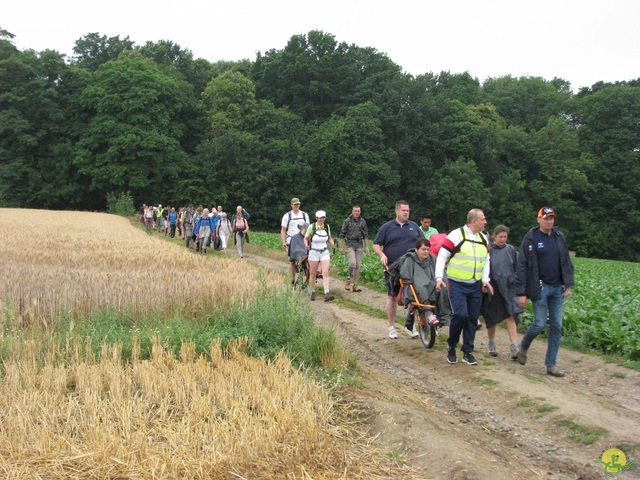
167,418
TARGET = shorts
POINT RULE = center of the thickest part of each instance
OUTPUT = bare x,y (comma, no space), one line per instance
392,290
355,256
315,256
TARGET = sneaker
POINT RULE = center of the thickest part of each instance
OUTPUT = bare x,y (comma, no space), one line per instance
313,296
521,356
411,333
433,321
479,327
514,351
328,297
347,286
493,349
392,332
469,359
451,355
554,371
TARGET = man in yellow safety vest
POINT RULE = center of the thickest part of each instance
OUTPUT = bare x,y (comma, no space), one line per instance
465,255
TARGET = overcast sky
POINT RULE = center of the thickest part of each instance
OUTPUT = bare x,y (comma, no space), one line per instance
582,41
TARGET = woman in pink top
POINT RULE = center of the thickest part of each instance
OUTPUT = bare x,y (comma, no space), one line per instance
240,228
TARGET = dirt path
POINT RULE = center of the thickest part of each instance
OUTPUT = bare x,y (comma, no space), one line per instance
496,420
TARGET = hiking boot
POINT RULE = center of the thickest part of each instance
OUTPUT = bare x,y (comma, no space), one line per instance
521,356
356,289
555,372
514,351
328,297
469,359
493,349
347,286
313,296
451,355
392,332
411,333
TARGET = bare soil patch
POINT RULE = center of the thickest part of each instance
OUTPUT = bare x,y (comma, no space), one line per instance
496,420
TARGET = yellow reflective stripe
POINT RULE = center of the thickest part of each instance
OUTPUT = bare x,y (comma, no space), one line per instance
464,267
470,258
469,262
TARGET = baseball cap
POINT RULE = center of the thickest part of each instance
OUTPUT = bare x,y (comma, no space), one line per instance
321,213
546,212
295,201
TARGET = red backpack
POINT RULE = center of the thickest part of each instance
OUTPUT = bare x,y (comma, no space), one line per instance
436,242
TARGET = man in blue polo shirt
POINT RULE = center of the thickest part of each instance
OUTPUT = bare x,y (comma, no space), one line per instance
392,241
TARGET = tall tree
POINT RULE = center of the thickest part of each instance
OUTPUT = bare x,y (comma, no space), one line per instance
351,164
35,149
458,188
315,76
132,142
607,120
527,102
94,49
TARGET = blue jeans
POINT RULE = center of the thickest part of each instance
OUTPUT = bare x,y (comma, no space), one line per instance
465,299
549,304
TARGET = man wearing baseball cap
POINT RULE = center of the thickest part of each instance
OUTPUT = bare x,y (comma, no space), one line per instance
544,274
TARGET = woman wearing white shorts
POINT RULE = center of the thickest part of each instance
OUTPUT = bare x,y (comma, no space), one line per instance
318,239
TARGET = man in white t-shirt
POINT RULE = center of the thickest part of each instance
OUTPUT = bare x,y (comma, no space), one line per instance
290,226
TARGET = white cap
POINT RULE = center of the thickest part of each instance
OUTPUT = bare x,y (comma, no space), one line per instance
321,213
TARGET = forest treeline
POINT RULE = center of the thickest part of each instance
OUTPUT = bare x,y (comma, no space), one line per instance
331,123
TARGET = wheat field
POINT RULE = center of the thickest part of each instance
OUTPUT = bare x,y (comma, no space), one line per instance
69,413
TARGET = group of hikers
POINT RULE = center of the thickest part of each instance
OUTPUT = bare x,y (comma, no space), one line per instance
199,227
462,274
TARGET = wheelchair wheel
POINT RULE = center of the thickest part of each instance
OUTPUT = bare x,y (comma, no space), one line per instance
427,332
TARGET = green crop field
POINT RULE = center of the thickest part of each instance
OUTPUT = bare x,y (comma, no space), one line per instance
604,311
603,314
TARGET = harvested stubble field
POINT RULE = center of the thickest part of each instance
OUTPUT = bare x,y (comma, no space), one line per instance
70,411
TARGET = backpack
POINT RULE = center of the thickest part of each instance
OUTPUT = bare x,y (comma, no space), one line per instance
436,242
305,217
483,241
313,232
189,217
394,275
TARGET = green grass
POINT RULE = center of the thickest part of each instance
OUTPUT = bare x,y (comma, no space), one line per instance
276,323
532,378
526,402
361,307
546,408
489,382
581,433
